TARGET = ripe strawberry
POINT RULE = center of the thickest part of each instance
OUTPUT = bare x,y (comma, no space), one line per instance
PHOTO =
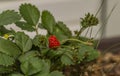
53,42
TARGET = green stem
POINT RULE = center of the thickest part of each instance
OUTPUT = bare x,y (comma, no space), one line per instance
36,29
76,40
91,30
81,30
103,26
87,32
99,8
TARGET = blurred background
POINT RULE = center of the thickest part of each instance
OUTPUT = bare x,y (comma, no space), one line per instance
70,12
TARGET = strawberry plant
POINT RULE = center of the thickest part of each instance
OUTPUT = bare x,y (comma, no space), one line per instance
44,55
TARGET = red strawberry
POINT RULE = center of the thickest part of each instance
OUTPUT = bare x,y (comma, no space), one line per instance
53,42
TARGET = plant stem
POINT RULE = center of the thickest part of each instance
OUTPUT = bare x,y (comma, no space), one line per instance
91,30
87,32
104,23
36,29
81,30
76,40
99,8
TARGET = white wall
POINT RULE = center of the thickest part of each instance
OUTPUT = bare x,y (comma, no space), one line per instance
113,26
65,10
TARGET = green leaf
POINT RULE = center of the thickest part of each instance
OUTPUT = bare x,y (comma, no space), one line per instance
65,59
81,53
92,54
16,74
6,60
40,41
23,41
9,48
45,70
82,50
56,73
25,26
32,66
46,66
4,69
44,51
43,74
40,26
52,53
8,17
36,40
60,25
30,13
27,56
3,30
48,21
61,31
88,53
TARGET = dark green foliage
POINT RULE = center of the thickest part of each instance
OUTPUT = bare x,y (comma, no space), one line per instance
61,31
4,69
30,13
48,21
9,48
24,56
31,16
23,41
8,17
32,66
6,60
40,41
3,30
25,26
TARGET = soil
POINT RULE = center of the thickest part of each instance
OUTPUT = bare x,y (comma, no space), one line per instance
110,64
106,65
